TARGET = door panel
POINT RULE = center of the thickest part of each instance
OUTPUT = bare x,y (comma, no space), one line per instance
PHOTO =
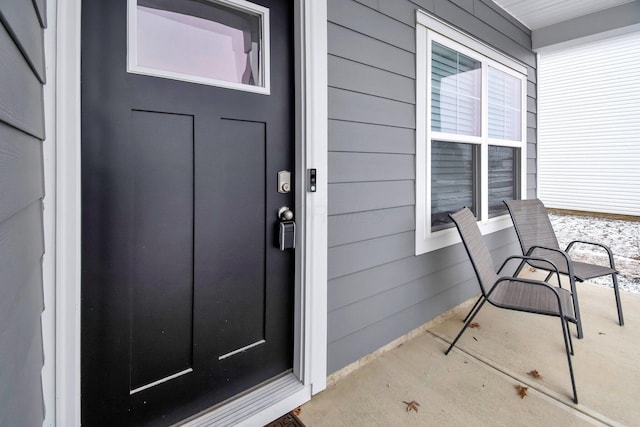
186,298
162,258
238,178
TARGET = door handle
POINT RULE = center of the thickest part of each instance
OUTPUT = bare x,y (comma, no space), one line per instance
287,229
285,214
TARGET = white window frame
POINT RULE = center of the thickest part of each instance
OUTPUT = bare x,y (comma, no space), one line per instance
429,29
242,5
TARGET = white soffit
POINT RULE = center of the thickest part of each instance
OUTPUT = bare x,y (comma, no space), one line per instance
542,13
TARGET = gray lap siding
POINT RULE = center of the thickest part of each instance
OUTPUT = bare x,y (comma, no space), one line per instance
21,228
378,290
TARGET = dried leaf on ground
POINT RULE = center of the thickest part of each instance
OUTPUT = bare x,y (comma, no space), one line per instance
474,325
297,410
522,390
532,269
535,374
411,406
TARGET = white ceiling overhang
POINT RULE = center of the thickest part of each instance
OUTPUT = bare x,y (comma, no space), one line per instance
563,21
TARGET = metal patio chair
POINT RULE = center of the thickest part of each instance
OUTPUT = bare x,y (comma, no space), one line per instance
536,236
513,293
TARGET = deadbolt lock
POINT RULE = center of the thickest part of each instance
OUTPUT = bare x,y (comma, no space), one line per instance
284,182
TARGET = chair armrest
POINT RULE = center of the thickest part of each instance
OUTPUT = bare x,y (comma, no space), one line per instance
572,277
605,247
532,258
560,251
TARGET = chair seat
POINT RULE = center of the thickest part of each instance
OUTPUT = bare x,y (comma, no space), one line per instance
532,298
584,271
581,270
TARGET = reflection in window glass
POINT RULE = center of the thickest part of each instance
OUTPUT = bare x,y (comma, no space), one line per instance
203,39
453,184
503,178
504,105
455,92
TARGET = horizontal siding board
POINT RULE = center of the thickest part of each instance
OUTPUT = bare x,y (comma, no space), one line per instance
358,77
532,89
370,138
21,171
402,11
467,5
532,135
21,96
24,303
479,29
531,105
356,107
358,47
352,347
531,151
360,167
367,21
426,5
348,259
21,402
21,245
505,15
351,288
532,74
357,197
19,295
21,19
356,227
500,23
349,319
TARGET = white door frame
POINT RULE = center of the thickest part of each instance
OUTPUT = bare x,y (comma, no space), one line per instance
61,373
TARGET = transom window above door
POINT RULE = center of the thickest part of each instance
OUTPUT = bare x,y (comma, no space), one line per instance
470,132
214,42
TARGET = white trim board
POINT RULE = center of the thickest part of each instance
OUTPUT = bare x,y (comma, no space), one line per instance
62,223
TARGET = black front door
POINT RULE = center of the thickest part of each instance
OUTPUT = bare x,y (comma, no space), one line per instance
186,298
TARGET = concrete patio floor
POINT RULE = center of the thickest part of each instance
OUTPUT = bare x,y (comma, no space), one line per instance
476,383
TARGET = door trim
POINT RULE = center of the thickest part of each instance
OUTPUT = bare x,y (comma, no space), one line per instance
61,372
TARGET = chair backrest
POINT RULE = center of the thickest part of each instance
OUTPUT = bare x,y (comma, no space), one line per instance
476,249
532,224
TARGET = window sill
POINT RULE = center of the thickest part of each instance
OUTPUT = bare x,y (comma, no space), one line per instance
450,236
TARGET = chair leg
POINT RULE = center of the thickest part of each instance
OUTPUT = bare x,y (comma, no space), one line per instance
470,318
614,276
565,334
576,306
569,336
473,308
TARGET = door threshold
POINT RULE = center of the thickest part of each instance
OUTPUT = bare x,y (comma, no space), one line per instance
259,406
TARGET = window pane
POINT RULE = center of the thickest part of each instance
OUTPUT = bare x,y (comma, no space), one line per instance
503,178
504,105
453,180
455,92
203,39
